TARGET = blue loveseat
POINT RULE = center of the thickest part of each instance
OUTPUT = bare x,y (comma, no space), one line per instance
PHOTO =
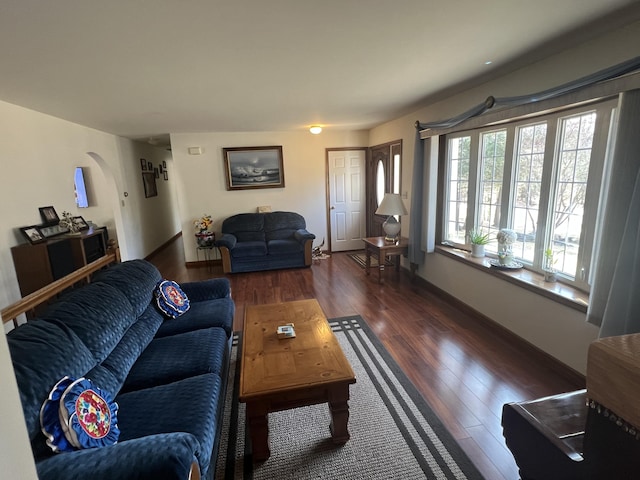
168,376
264,241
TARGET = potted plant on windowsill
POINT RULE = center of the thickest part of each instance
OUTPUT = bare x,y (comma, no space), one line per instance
549,269
478,241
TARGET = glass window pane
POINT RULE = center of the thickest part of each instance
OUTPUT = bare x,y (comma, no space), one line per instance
380,181
458,188
570,190
529,163
396,173
492,170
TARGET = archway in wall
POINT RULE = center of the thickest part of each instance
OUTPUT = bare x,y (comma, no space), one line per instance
114,196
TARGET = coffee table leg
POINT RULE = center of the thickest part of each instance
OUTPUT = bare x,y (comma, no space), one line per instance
258,422
339,408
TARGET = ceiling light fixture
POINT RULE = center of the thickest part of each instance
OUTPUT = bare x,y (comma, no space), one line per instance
315,129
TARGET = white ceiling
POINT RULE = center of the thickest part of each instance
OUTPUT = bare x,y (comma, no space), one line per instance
143,68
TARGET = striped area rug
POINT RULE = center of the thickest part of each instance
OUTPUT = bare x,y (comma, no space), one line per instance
394,433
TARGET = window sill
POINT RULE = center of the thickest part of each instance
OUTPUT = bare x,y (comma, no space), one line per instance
532,281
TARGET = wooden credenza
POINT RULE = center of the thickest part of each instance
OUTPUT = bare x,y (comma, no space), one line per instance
40,264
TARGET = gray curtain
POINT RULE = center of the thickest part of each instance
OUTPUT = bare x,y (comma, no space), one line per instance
491,102
614,301
416,254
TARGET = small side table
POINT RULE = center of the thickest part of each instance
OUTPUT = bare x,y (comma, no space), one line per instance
208,254
382,249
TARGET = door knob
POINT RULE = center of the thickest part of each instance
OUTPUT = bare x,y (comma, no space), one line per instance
332,207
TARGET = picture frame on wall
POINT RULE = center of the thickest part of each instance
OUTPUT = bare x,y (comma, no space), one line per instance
149,182
166,175
156,172
149,166
254,167
49,215
164,164
143,164
33,234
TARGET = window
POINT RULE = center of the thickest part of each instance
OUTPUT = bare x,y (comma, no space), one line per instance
540,177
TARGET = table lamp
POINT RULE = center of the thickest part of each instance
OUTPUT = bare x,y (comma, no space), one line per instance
391,205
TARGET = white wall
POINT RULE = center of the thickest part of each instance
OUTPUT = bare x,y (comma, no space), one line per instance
202,187
558,330
38,155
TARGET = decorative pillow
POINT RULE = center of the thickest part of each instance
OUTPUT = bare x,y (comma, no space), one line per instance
171,300
79,415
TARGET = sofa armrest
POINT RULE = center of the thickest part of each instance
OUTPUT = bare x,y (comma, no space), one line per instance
207,289
227,240
303,235
166,456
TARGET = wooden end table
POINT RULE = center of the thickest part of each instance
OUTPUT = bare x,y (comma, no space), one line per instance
279,374
382,249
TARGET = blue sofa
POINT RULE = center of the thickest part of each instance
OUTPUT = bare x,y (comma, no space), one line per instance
264,241
168,376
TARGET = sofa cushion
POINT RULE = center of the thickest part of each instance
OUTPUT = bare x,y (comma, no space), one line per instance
164,360
211,313
249,249
282,225
98,313
247,227
42,353
278,247
136,279
161,457
189,405
127,351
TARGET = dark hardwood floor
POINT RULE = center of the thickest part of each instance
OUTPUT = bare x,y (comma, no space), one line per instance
464,368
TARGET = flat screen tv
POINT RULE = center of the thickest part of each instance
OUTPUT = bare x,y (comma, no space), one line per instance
80,189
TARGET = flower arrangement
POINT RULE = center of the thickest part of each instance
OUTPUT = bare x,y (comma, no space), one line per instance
67,222
507,236
203,224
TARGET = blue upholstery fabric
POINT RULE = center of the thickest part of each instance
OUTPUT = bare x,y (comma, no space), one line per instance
227,240
189,405
132,344
136,279
176,357
281,225
96,302
249,249
42,353
106,332
105,379
211,289
214,313
282,243
301,235
279,247
162,457
246,227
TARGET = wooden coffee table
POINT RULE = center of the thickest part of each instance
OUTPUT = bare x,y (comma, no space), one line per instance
278,374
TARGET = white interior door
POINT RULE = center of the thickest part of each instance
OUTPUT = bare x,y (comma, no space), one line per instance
347,199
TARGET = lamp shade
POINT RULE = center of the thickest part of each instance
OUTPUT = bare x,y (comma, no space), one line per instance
391,205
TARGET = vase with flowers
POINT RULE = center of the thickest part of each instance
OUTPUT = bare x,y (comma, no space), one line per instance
204,236
67,222
506,238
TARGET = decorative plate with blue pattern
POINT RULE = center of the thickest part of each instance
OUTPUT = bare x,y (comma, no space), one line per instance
172,301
